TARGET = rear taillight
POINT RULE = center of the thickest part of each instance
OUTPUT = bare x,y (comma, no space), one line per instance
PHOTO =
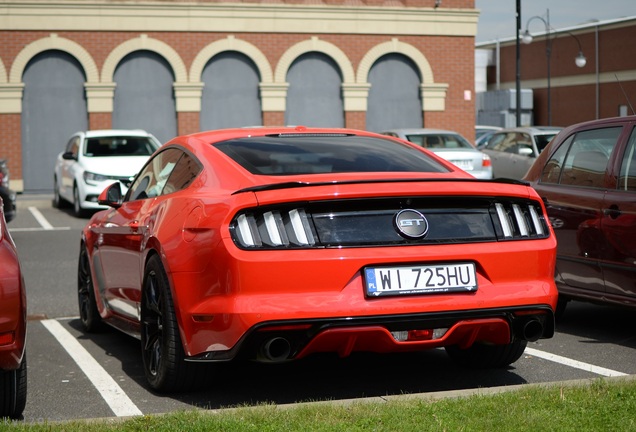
289,228
485,160
519,220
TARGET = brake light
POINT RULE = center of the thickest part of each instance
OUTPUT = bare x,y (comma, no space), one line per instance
485,161
520,220
274,229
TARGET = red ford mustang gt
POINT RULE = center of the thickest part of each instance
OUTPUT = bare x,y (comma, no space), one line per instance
13,309
276,243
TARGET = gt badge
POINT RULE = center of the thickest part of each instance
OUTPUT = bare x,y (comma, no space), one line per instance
410,224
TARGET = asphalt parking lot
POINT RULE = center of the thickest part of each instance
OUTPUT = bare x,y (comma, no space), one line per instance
73,375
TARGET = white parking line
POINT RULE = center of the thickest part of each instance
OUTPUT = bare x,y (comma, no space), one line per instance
574,363
41,219
39,229
114,396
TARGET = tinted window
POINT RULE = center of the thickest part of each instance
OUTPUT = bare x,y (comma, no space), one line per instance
543,140
119,146
627,178
439,141
313,154
508,142
552,170
187,169
154,176
495,141
588,156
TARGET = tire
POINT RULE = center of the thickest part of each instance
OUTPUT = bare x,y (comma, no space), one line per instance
561,305
89,314
58,202
13,391
161,348
482,356
77,206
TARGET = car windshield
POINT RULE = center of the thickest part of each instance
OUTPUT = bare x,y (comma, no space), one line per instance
290,154
119,146
438,141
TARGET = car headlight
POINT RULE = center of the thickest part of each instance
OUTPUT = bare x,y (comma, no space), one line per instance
92,178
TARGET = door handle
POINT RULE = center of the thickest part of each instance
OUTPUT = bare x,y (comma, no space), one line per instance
613,211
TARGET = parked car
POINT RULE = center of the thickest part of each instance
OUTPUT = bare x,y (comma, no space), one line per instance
513,151
481,130
587,177
8,196
451,146
13,363
277,243
93,159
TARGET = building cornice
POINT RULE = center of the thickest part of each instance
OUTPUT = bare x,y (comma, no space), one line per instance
579,29
152,16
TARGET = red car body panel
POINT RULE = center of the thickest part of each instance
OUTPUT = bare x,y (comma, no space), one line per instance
223,293
12,302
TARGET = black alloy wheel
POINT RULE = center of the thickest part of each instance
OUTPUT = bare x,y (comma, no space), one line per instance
162,351
89,314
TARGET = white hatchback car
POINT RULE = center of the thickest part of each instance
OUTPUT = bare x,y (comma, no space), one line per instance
451,146
92,160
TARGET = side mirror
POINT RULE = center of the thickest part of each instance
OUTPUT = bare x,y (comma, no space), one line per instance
68,156
111,196
525,151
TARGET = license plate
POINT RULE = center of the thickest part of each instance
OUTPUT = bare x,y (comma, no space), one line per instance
466,165
420,279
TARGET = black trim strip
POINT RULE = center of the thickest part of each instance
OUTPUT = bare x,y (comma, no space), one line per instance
297,184
424,320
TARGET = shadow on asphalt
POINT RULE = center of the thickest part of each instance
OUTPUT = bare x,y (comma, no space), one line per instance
594,323
317,378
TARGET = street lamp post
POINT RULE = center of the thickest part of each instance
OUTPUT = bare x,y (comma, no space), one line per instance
580,59
518,66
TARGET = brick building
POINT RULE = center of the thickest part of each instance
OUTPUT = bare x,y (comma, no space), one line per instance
176,67
602,88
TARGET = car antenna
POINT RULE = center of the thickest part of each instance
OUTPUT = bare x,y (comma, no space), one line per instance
626,97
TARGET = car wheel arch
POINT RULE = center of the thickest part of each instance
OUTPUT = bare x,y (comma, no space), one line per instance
179,373
156,251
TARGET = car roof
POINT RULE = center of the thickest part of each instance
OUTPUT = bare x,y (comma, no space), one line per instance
533,129
421,131
114,132
488,127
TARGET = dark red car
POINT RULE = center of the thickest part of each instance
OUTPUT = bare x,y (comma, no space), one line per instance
587,177
274,244
13,365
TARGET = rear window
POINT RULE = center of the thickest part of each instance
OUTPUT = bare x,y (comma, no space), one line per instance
449,141
119,146
315,154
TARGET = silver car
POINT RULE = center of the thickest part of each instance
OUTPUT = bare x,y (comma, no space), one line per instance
513,151
449,145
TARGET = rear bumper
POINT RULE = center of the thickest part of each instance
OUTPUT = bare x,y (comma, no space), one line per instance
294,339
